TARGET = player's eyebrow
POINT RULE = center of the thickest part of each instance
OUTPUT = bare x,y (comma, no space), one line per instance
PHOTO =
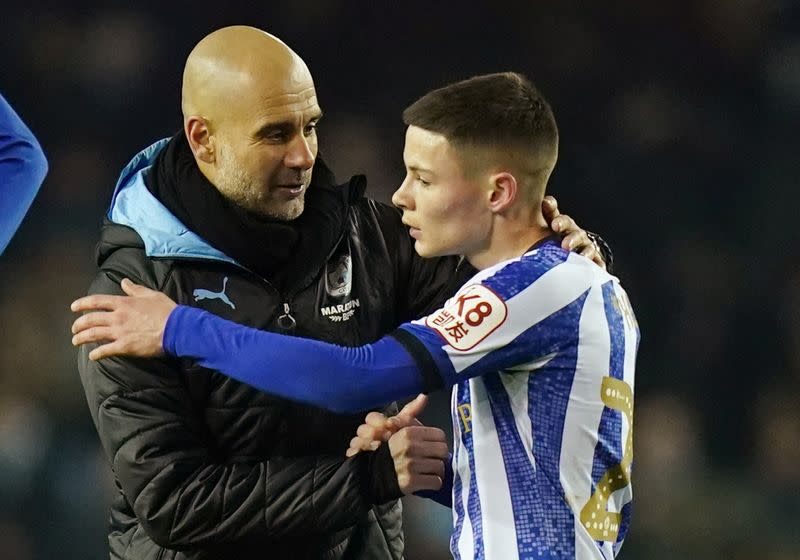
419,169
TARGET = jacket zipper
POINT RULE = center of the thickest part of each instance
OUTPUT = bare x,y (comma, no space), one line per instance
286,320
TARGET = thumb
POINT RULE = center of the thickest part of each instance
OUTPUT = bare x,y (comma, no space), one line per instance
408,415
415,407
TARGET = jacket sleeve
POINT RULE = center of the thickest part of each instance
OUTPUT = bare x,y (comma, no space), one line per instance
23,167
186,495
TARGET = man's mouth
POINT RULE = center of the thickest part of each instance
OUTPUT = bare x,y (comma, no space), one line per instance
293,189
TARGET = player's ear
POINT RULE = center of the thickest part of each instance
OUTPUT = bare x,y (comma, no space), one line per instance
199,137
504,191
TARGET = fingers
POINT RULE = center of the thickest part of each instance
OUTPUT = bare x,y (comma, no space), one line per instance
115,348
133,289
420,466
591,253
129,287
357,445
93,334
352,452
408,414
97,302
419,441
397,423
410,483
96,319
576,240
376,420
371,433
363,444
550,209
564,225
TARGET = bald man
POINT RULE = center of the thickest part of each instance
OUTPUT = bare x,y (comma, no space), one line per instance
238,216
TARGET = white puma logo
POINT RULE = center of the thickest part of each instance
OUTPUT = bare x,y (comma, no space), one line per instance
202,293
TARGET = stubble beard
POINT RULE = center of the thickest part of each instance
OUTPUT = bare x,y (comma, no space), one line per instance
240,188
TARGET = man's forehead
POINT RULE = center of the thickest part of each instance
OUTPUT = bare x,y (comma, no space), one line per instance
281,103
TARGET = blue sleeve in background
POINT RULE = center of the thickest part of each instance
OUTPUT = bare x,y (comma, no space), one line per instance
341,379
23,167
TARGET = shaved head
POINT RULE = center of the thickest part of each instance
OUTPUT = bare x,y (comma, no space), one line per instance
250,111
235,65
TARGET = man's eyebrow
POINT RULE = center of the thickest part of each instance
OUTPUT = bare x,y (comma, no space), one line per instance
418,169
282,126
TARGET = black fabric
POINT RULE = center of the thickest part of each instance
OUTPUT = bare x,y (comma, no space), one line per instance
207,467
431,379
284,252
382,484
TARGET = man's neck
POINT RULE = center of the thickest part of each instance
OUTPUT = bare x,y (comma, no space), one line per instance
509,241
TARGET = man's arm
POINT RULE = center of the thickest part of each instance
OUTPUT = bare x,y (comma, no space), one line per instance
182,493
455,343
23,167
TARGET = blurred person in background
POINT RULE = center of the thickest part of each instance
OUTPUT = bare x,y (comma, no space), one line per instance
539,346
23,167
239,215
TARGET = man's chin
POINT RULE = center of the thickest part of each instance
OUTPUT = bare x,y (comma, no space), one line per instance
285,212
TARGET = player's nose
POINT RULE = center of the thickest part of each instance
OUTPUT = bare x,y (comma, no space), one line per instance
401,197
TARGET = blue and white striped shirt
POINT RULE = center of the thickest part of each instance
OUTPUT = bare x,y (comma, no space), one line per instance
542,450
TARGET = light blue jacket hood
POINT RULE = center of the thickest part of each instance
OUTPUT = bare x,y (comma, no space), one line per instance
163,234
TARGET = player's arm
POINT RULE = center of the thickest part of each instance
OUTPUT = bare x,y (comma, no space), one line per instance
418,357
156,441
23,167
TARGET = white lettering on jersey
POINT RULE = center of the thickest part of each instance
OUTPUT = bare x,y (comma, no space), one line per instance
470,317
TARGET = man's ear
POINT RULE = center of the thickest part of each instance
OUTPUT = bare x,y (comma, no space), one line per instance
504,191
199,137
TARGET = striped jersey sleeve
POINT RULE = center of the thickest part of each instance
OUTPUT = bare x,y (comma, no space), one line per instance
504,317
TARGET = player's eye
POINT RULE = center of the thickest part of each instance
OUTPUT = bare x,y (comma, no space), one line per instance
310,129
422,181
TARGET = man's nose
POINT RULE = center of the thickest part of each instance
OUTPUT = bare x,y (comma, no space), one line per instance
300,154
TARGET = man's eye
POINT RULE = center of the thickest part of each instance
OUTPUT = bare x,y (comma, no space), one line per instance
310,129
423,182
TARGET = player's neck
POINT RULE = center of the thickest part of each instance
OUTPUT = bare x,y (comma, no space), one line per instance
509,240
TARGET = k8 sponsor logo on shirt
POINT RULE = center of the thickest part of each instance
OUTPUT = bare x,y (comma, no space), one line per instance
472,315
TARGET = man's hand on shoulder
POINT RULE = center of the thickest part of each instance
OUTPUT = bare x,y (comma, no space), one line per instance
131,325
573,238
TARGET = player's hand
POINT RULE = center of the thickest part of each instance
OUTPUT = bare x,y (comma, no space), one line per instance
573,238
377,428
131,325
419,453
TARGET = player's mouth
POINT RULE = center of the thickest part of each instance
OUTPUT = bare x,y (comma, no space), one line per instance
412,231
